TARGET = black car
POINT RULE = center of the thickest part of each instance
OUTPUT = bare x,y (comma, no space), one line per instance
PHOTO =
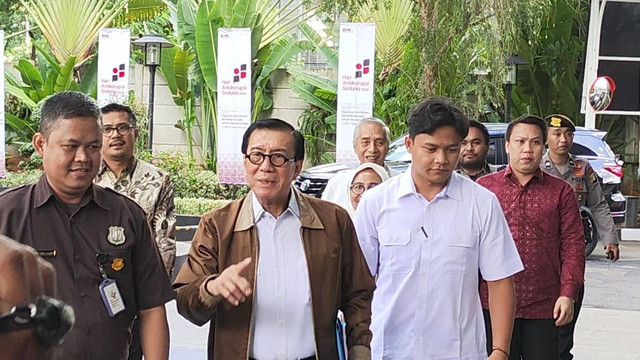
588,144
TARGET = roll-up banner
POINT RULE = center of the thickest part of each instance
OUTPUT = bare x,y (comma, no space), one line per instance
356,57
3,168
234,101
113,66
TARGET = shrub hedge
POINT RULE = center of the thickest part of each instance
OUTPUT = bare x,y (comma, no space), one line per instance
196,206
22,178
190,181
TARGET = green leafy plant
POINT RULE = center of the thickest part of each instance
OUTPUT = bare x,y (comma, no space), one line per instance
392,20
319,134
192,181
175,66
395,88
551,83
142,10
71,26
34,84
32,159
197,206
14,179
195,61
142,123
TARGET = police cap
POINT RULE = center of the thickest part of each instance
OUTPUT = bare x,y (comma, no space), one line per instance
559,120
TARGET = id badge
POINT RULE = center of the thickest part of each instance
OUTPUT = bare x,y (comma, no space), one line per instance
111,297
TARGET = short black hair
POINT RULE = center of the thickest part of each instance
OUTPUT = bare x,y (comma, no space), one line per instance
275,125
531,120
483,129
114,107
435,113
66,105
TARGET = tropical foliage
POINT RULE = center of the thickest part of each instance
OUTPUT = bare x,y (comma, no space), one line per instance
394,91
552,83
65,62
194,65
391,30
137,10
71,26
34,85
16,30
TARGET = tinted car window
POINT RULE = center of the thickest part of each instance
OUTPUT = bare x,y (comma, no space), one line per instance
580,150
491,154
591,146
583,145
397,151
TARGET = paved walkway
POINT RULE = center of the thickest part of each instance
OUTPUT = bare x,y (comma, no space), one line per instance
601,334
188,342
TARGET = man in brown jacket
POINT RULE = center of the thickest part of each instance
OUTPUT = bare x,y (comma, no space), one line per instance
272,270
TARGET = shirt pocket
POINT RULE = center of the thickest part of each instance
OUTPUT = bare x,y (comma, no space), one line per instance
395,250
461,247
119,267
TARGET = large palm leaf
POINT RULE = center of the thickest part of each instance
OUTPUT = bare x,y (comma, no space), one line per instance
145,9
71,26
392,23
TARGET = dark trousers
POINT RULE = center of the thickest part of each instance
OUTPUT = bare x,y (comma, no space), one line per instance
135,349
565,333
532,339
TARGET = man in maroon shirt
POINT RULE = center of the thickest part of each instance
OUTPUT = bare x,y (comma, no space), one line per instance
544,219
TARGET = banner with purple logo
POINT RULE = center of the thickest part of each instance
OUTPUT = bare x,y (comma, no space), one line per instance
113,66
234,101
356,57
3,168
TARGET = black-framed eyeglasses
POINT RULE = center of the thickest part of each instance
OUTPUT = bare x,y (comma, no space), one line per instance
359,188
51,318
277,160
122,129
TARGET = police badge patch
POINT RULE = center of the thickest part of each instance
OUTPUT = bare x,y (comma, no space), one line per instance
117,264
116,235
592,176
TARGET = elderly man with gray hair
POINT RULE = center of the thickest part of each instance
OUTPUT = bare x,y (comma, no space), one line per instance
371,143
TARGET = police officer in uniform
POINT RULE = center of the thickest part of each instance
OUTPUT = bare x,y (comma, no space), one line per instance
584,180
107,264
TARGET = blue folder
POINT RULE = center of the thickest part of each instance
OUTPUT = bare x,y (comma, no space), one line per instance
340,333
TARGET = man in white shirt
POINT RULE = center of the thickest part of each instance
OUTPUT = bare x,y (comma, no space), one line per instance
427,234
270,271
371,143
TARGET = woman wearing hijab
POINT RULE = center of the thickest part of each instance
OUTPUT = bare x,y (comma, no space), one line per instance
365,176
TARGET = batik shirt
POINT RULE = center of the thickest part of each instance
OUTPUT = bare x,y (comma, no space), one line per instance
151,188
545,223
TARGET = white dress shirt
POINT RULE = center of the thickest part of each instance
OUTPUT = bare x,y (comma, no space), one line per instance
427,256
283,319
335,191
